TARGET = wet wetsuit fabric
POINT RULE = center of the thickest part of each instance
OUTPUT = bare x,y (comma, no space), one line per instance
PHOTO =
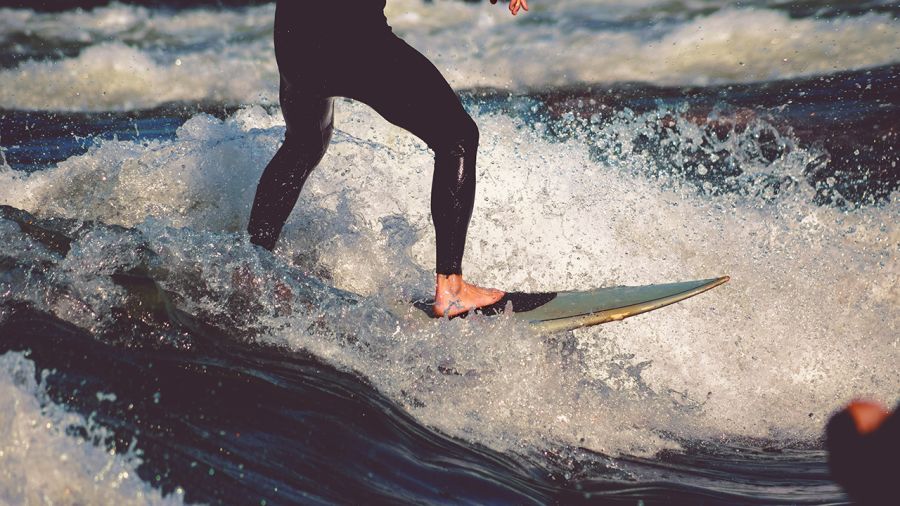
345,48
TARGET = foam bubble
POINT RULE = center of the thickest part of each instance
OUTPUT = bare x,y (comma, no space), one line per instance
807,322
41,463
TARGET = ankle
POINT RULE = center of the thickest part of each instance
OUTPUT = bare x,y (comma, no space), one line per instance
450,282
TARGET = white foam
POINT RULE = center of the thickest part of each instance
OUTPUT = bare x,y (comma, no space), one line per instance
135,24
137,58
113,76
489,48
808,321
4,165
40,463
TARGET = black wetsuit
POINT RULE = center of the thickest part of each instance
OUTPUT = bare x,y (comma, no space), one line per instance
345,48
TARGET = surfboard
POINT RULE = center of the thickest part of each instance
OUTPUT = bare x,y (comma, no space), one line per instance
554,312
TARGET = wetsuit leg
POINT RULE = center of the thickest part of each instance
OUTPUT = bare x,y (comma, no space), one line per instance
310,122
351,52
407,90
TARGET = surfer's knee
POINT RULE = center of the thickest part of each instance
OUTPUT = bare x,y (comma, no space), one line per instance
460,138
467,136
309,145
310,125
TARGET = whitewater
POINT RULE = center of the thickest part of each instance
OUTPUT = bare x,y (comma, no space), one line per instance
604,192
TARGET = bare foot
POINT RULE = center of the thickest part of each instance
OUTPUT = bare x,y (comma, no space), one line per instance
453,296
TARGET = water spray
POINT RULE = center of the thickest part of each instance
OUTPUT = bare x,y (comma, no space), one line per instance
3,165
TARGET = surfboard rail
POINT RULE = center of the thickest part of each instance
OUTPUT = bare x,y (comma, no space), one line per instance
611,304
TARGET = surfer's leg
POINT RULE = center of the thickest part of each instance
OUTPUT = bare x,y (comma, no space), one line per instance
407,90
310,122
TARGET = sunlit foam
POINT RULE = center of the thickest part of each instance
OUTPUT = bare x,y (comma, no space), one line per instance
114,76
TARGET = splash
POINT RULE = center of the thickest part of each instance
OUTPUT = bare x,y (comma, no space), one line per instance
4,165
807,322
43,462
